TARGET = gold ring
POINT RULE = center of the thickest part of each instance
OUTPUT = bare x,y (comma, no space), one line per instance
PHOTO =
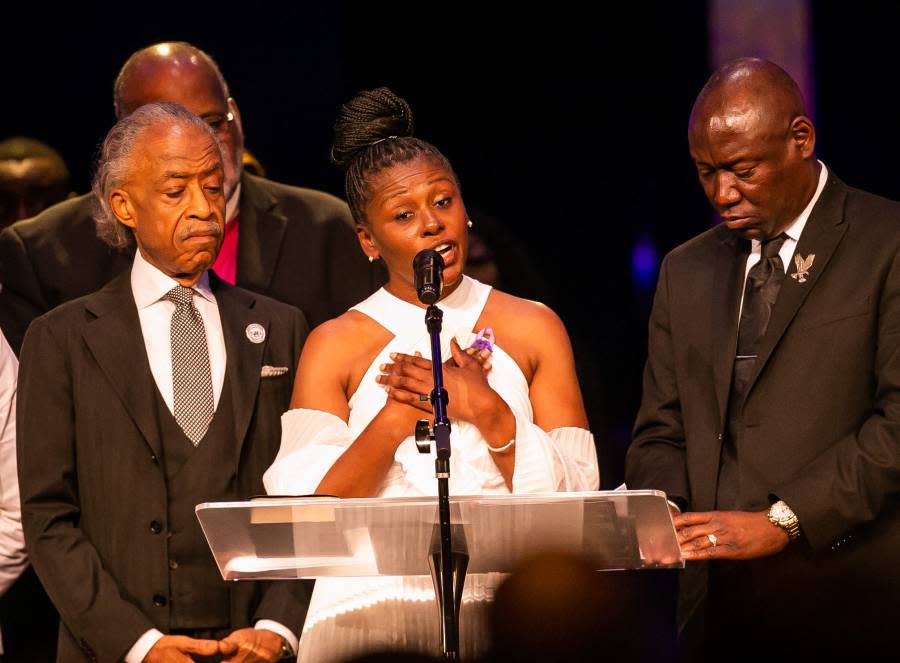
423,397
713,539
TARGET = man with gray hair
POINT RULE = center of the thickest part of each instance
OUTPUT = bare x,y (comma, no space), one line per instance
294,244
160,391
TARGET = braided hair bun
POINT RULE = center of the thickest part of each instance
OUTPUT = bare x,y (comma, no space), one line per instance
369,117
373,132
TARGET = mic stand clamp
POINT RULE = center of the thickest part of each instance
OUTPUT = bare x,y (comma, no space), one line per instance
424,436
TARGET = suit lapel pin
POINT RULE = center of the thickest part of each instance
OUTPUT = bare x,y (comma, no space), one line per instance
256,332
802,266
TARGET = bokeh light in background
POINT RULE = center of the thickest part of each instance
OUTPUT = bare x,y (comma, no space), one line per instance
644,264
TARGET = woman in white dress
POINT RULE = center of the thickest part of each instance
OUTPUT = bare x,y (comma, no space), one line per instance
515,406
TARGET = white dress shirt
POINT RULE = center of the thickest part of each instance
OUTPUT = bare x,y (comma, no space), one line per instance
12,542
793,233
149,286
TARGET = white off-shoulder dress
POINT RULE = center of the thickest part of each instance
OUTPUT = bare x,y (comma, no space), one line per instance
352,616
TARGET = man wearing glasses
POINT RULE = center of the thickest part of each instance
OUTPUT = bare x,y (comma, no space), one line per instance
296,245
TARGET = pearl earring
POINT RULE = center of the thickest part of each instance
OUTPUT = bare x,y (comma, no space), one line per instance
469,223
371,259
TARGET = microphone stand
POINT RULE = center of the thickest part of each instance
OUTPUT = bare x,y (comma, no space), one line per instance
448,570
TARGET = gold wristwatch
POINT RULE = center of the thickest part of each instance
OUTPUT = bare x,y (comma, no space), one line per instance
781,515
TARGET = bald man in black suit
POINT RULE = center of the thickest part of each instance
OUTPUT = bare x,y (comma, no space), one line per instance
771,403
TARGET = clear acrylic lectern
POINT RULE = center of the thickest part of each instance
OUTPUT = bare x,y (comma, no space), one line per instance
312,537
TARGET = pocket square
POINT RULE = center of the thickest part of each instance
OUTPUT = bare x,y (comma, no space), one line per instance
272,371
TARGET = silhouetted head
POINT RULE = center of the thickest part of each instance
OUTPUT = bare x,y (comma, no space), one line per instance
556,607
33,176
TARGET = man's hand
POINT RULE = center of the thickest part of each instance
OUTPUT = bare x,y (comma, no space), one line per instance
248,645
737,535
179,649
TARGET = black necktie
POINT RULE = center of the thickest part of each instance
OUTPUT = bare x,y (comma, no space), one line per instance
191,374
760,292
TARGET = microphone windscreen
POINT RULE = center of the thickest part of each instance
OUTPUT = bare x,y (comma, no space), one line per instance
428,266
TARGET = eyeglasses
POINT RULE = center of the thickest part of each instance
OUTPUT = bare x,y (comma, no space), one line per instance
218,122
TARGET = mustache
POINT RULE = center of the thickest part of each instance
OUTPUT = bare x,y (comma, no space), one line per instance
201,228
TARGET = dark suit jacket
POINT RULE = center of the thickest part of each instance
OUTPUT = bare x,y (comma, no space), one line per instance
821,419
90,479
296,245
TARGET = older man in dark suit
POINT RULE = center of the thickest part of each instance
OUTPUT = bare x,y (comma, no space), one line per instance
160,391
771,405
294,244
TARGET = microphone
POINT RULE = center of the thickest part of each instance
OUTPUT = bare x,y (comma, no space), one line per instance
428,266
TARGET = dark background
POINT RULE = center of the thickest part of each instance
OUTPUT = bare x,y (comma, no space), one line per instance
566,125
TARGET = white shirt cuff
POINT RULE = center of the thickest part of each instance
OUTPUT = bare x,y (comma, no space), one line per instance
144,644
281,630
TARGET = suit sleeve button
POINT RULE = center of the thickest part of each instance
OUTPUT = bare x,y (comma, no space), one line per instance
173,564
159,600
155,526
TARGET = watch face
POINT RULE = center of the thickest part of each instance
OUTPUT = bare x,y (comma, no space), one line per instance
781,512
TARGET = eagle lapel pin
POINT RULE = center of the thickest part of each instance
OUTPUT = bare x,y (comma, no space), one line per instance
802,266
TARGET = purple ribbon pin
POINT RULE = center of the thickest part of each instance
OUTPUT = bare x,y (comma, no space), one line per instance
484,340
